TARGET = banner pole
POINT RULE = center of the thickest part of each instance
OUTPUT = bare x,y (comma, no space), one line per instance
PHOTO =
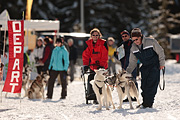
4,52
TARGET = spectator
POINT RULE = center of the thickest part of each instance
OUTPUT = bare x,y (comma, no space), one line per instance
111,59
67,47
65,44
126,45
2,52
46,54
58,65
152,57
95,56
72,58
38,54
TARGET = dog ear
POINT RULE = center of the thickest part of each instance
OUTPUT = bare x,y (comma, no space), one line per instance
95,70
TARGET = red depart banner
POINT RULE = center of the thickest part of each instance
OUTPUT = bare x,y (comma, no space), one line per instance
13,81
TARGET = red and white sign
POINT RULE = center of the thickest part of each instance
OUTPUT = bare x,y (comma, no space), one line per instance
13,81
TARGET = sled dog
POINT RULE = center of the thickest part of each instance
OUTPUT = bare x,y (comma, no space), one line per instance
25,80
101,89
126,86
46,77
36,90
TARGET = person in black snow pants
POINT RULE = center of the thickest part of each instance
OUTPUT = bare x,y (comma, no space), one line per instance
152,57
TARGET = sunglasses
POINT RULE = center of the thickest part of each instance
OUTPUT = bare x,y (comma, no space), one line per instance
135,39
95,35
124,36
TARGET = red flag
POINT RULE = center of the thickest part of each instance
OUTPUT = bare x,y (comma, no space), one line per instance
13,81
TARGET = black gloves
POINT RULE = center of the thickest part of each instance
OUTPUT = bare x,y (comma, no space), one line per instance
86,68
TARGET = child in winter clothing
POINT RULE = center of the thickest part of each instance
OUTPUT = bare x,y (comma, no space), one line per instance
58,65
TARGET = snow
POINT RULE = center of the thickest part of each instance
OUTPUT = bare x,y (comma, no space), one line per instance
166,106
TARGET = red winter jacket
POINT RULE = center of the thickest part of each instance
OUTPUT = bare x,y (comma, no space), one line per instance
95,55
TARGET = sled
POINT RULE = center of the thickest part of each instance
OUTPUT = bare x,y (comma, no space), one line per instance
89,94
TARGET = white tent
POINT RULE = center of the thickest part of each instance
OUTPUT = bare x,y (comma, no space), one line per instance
33,25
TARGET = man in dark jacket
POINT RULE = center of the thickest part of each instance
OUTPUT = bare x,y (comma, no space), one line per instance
152,57
72,58
127,43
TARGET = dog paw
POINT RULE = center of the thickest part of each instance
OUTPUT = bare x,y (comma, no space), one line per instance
98,108
119,107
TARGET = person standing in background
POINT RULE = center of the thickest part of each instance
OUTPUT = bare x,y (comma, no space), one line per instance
59,63
72,58
65,44
38,54
67,47
111,59
46,54
126,45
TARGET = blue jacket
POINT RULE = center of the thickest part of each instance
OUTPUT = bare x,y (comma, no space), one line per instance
59,59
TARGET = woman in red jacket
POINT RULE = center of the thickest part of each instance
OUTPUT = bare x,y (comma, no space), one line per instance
95,56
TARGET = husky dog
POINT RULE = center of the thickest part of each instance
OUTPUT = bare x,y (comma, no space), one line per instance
126,86
25,80
101,89
36,90
46,77
111,80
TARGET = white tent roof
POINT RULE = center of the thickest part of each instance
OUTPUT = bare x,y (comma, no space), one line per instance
36,25
41,25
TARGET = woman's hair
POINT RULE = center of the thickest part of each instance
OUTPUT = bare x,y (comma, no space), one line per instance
96,30
46,40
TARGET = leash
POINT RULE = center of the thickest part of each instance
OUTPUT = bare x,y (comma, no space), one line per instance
163,86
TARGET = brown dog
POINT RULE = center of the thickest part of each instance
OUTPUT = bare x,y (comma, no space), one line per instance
36,90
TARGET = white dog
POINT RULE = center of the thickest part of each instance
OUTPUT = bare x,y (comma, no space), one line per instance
126,86
101,89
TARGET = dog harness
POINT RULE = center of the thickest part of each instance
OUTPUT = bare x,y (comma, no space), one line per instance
100,88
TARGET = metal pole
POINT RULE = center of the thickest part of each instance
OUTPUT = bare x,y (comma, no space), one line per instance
82,16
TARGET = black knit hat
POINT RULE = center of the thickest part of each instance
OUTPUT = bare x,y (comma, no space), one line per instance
136,32
58,40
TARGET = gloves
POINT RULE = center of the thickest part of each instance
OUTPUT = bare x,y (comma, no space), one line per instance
86,68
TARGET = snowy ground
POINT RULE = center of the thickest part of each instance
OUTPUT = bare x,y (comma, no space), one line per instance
166,106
